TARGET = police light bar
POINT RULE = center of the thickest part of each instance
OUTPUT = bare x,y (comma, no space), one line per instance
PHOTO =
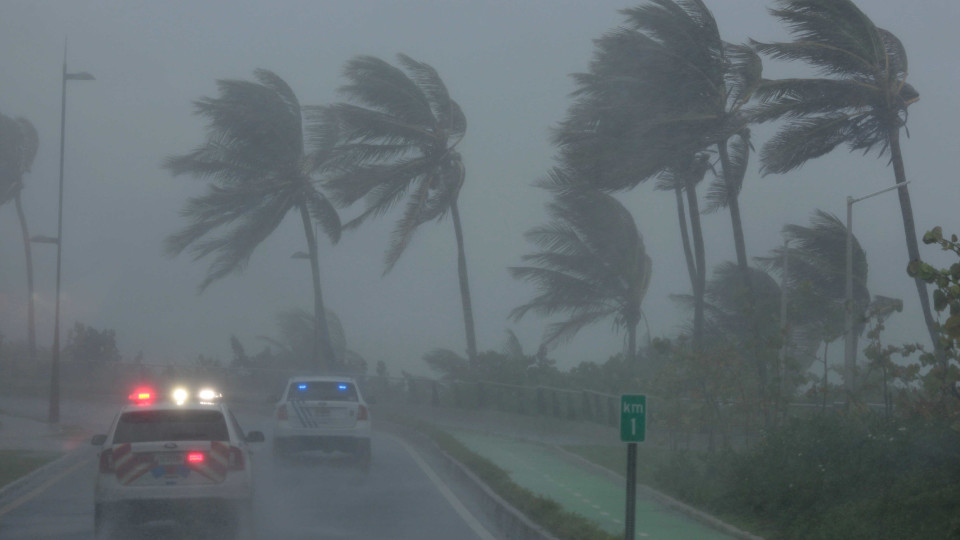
180,395
208,395
142,396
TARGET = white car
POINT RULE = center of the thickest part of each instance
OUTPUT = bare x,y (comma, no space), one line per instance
322,413
186,462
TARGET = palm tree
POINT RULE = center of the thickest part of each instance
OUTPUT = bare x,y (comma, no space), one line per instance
18,147
816,278
593,265
399,140
682,179
256,161
861,100
660,90
295,341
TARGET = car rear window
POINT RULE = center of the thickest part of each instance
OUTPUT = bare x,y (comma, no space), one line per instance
322,391
174,425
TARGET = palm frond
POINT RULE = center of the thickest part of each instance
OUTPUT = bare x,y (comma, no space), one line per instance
387,89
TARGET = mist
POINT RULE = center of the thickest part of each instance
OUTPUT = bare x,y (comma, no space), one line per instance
506,64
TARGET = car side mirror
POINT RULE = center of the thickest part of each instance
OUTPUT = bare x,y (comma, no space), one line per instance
98,440
255,436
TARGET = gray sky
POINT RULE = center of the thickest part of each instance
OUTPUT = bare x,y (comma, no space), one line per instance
506,63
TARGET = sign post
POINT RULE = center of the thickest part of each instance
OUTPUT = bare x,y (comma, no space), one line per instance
633,429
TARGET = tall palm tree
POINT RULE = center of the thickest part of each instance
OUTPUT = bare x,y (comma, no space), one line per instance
661,89
682,179
593,265
18,148
816,274
259,169
860,101
400,135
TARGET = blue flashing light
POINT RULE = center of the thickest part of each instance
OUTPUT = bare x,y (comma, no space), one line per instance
342,387
301,387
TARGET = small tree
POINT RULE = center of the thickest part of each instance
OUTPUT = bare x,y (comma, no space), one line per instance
87,344
942,382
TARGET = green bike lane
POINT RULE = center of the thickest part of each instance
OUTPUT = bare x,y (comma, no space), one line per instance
587,493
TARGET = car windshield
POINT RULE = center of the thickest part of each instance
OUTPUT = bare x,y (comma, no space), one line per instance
173,425
322,391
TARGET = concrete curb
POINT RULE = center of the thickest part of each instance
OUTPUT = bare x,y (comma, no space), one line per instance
509,521
660,497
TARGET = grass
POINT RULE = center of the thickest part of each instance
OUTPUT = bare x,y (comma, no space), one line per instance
17,463
543,510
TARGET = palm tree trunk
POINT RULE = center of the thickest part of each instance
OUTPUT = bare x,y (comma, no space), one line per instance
632,343
323,353
700,285
464,286
913,249
734,205
31,326
685,237
741,249
826,382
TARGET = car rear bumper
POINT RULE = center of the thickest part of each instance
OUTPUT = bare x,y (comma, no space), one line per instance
236,487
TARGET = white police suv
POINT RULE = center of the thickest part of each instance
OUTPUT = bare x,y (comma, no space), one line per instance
322,413
183,460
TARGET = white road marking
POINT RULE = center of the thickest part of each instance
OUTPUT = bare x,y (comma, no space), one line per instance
465,514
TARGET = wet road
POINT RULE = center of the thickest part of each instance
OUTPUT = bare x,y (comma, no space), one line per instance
315,497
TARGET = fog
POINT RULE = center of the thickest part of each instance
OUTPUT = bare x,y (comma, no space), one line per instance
506,63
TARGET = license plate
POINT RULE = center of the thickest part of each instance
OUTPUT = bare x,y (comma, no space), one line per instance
322,412
170,458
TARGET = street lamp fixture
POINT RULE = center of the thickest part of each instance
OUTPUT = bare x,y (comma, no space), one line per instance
850,353
54,411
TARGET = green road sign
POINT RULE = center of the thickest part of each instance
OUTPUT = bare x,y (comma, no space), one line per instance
633,417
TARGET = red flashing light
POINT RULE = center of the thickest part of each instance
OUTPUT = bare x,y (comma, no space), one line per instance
142,396
195,457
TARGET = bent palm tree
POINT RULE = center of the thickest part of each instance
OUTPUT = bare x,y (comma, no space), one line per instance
862,102
399,140
18,147
258,171
593,265
661,89
817,270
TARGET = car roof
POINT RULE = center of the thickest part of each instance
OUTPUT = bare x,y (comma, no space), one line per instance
320,378
166,406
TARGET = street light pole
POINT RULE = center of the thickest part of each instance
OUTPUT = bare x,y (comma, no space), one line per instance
850,353
53,416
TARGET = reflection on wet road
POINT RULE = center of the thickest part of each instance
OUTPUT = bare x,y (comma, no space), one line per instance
313,496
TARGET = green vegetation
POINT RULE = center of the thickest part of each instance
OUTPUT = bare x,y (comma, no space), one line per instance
17,463
829,477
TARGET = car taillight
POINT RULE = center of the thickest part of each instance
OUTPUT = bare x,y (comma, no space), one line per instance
106,461
362,413
236,462
282,413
